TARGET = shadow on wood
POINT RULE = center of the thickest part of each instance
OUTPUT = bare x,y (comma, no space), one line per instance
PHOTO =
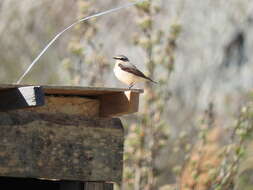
117,104
29,183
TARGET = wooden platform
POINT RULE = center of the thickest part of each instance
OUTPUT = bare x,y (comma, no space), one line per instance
112,101
64,133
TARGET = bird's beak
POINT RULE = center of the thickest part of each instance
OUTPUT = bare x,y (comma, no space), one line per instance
114,57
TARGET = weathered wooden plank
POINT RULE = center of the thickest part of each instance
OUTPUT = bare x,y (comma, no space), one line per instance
87,91
98,186
71,105
75,90
123,101
60,146
117,104
22,97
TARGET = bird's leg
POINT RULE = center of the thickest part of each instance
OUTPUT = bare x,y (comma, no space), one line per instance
130,86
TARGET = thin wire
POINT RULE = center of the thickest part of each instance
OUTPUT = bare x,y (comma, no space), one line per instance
69,27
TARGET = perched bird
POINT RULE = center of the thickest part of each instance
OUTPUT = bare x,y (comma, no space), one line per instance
127,73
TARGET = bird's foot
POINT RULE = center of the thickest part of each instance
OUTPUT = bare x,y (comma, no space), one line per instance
130,86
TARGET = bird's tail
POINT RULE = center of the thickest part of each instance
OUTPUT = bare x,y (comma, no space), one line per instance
151,80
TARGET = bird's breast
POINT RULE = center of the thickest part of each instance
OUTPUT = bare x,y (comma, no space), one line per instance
124,76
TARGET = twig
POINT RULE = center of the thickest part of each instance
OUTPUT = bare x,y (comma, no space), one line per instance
69,27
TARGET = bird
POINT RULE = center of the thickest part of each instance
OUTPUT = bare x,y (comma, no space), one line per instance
128,73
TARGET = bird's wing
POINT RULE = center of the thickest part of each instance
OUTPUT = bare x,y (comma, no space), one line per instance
133,70
131,65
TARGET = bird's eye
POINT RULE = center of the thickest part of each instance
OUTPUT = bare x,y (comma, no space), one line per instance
123,59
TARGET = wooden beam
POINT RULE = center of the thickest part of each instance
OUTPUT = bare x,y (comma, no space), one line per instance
22,97
117,104
113,101
60,146
75,90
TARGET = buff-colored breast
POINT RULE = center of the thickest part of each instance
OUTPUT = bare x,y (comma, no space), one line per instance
125,77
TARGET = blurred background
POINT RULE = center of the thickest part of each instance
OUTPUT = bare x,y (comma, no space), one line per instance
193,130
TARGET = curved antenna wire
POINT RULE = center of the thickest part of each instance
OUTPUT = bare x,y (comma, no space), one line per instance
69,27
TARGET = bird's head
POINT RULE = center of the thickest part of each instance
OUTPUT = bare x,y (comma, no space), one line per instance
121,58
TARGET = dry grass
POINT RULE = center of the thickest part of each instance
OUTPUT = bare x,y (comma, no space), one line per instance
197,173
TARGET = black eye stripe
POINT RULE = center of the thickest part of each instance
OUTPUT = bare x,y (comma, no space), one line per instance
123,58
